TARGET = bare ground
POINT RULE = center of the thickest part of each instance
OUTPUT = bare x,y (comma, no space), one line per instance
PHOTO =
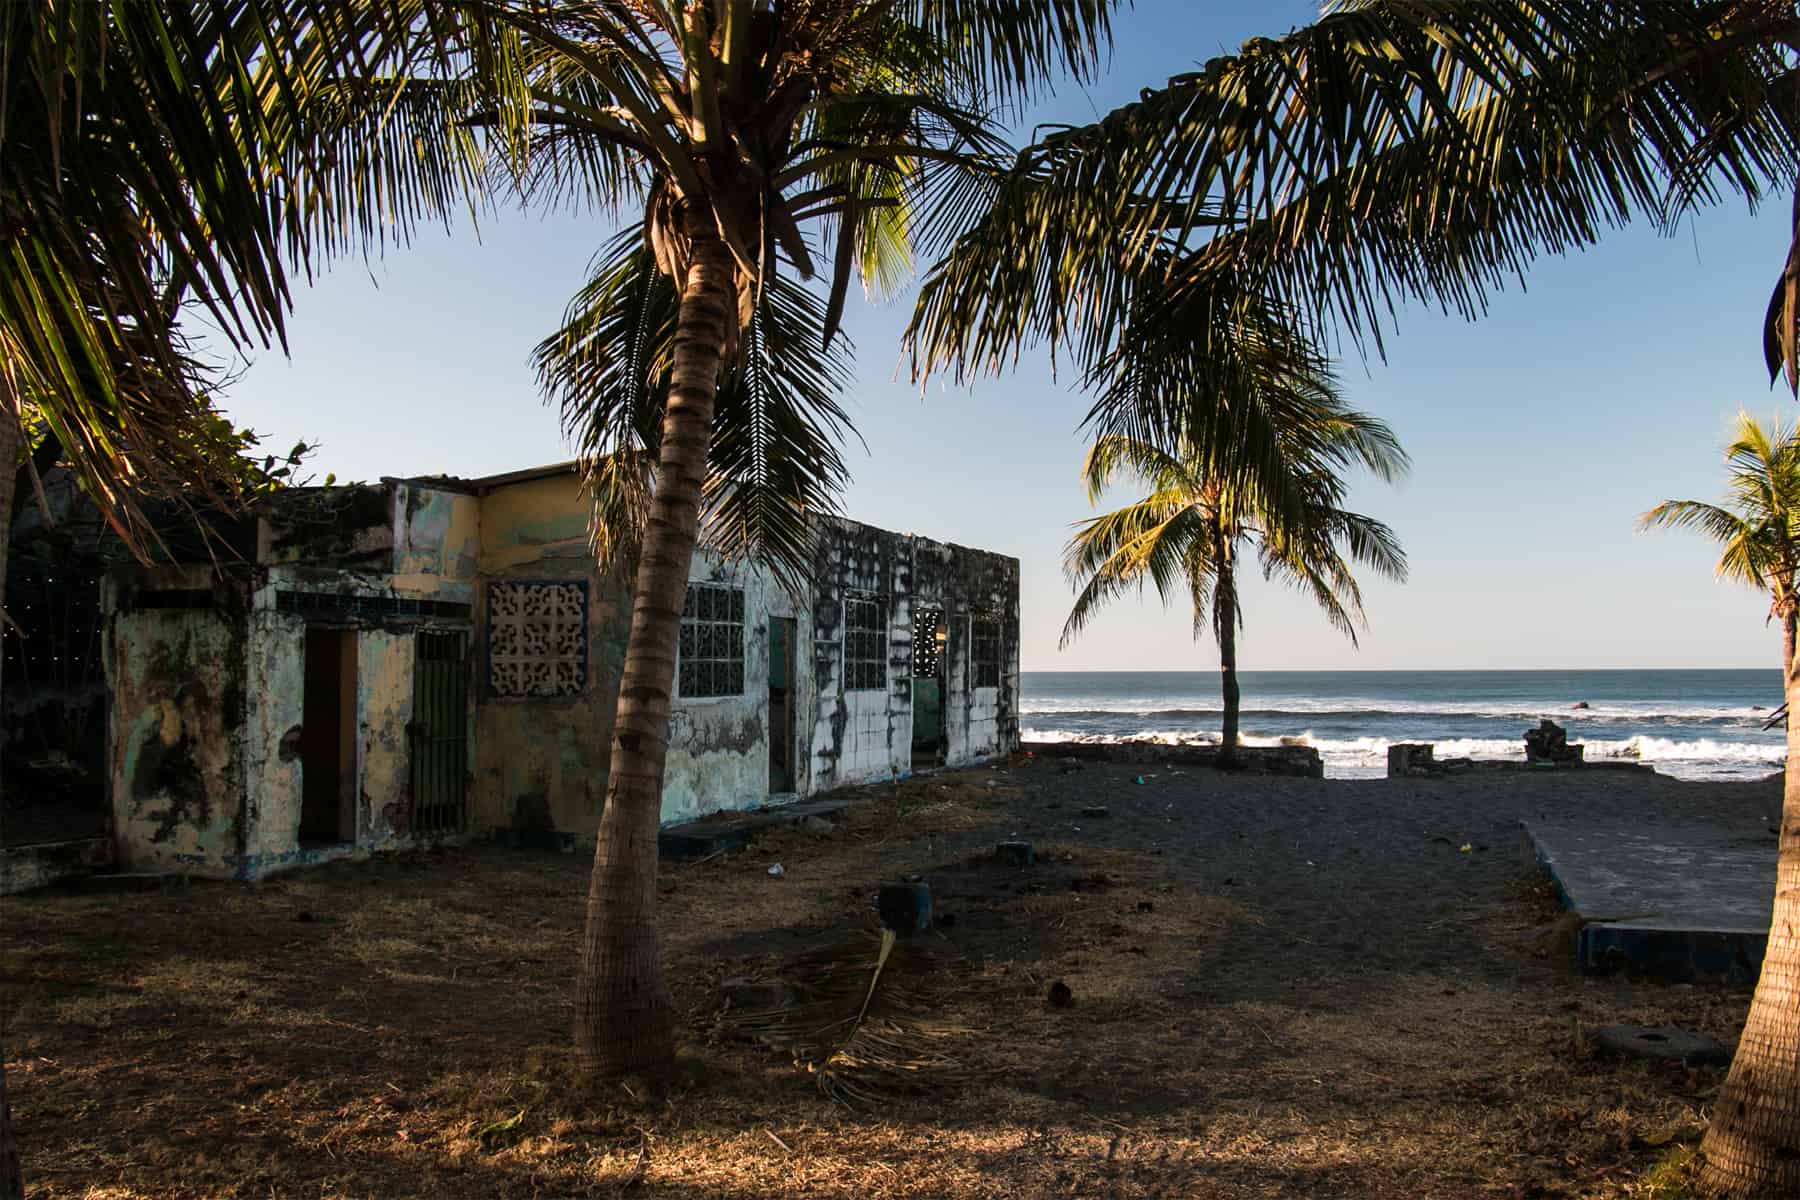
1282,988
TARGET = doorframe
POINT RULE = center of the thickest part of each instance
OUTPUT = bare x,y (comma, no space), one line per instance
348,757
789,733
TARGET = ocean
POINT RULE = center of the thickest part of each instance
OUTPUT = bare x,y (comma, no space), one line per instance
1689,724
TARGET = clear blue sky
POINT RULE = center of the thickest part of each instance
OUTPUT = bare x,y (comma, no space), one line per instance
1537,434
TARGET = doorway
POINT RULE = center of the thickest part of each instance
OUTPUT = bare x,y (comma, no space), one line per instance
328,738
781,705
929,643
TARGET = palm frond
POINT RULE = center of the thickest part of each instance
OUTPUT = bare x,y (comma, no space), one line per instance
861,1017
776,456
1426,150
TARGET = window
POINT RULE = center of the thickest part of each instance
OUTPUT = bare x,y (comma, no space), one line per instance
712,642
537,639
865,644
985,656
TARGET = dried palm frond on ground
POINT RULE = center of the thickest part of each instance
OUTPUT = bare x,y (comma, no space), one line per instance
860,1015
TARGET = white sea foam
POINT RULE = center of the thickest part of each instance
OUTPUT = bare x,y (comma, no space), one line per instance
1694,758
1197,705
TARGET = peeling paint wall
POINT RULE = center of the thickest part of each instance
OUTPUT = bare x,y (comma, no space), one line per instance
209,730
719,747
175,760
541,764
385,650
979,722
399,545
864,735
271,736
437,537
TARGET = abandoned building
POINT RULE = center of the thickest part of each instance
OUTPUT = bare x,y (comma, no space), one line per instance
429,658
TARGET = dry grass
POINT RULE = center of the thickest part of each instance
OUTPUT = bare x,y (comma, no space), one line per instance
396,1028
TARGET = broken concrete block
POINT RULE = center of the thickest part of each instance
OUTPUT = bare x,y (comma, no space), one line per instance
905,908
1014,854
1408,759
1667,1043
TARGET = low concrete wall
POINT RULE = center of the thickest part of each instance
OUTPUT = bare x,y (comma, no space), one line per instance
1301,761
23,868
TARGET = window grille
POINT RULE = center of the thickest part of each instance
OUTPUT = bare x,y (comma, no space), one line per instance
865,644
985,651
712,642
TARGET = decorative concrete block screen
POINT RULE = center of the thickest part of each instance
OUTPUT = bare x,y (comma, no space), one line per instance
865,643
712,642
537,639
928,644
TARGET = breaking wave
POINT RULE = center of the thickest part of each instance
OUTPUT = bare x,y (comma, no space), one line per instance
1700,758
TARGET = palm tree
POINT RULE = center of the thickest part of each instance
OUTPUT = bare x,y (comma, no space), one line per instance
1189,531
1410,149
1758,531
1758,527
766,143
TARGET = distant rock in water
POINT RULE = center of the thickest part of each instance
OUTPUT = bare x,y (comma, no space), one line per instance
1580,704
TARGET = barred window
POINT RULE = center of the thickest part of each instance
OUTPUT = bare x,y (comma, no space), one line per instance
712,642
865,644
985,651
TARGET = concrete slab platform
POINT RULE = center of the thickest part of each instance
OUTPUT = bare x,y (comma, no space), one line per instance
717,834
1677,902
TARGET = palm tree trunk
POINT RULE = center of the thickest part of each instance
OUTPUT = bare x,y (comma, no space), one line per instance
12,1178
1752,1146
623,1018
1226,613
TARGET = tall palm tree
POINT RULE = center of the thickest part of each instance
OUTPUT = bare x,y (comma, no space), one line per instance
1758,532
1758,526
1411,149
766,143
1188,533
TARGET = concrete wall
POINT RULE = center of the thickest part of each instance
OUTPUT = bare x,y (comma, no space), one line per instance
175,758
541,763
385,650
719,747
437,538
859,736
979,722
207,762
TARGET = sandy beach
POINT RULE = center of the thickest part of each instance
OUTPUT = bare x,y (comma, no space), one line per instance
1282,987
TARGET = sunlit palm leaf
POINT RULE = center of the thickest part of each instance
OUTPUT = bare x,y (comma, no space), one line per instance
1426,149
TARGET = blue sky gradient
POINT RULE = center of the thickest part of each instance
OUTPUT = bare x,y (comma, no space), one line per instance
1537,434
